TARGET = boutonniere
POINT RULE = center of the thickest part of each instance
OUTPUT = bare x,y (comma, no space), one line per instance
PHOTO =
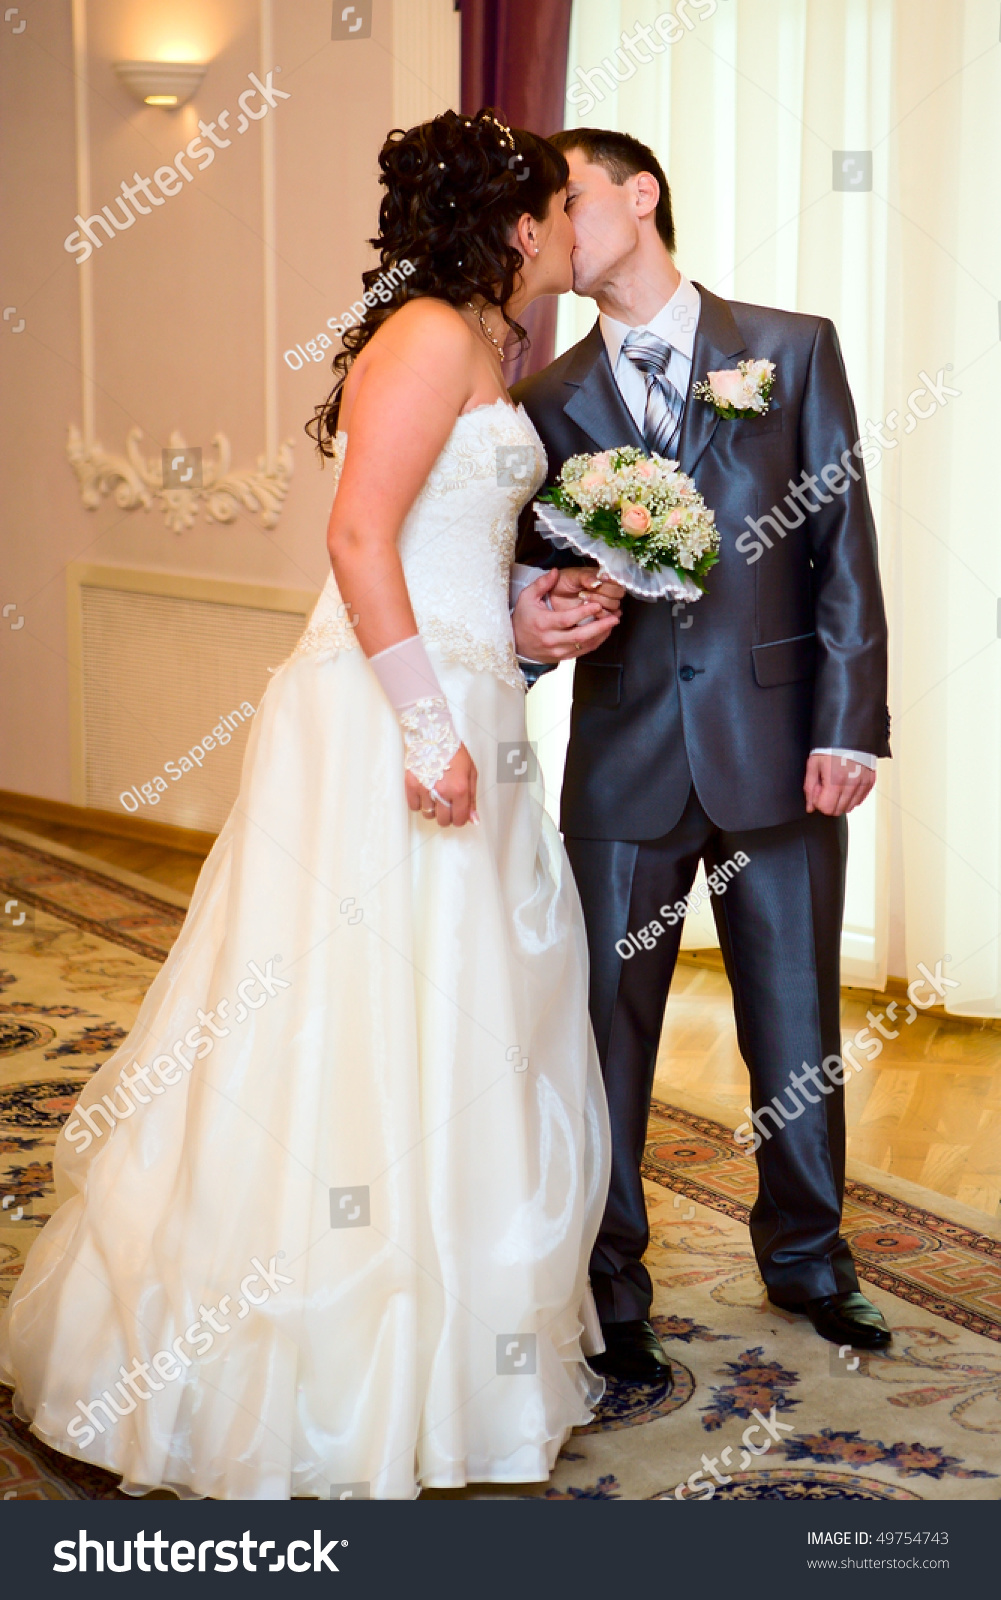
740,391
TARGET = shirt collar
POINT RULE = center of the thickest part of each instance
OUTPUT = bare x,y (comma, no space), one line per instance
675,323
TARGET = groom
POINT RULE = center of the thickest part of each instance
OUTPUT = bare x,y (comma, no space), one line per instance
749,722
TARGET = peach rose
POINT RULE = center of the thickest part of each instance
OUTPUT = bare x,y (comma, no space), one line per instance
646,470
590,481
676,519
728,387
635,519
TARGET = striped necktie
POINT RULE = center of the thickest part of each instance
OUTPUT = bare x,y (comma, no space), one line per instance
664,403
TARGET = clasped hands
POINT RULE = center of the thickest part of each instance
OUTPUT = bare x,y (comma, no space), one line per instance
564,613
569,611
543,634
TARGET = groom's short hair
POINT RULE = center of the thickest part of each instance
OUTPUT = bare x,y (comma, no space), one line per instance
622,157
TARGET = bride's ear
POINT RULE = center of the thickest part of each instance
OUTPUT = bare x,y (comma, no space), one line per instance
526,235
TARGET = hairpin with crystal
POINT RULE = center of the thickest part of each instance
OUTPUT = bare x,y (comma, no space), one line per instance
502,129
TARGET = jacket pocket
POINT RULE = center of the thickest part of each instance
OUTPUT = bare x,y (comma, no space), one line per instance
597,683
785,660
769,422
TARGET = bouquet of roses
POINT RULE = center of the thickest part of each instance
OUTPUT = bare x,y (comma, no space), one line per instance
642,519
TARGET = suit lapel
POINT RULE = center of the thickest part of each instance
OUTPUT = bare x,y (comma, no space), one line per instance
595,404
598,409
717,339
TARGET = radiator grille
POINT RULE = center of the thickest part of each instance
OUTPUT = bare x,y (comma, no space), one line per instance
159,673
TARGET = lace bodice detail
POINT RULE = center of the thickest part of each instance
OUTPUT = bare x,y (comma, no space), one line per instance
457,544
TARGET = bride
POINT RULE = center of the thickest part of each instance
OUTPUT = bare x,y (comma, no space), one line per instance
325,1216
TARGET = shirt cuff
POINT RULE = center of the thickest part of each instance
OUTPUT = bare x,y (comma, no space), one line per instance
521,577
863,757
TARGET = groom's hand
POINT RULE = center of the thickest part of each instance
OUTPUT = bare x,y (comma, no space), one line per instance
544,633
835,785
575,584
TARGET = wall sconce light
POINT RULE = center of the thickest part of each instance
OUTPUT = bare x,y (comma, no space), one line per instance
161,83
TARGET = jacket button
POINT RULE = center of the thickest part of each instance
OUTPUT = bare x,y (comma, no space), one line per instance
686,674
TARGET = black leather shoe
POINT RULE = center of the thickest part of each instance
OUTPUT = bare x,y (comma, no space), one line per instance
633,1352
844,1319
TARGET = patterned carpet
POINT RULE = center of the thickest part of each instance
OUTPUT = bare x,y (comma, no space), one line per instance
920,1423
940,1266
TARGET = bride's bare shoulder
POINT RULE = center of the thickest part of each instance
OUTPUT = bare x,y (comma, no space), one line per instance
427,320
424,338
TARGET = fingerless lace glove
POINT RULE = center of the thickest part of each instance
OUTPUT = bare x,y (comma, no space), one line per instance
412,689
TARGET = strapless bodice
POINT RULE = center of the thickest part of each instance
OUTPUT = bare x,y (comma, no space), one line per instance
457,543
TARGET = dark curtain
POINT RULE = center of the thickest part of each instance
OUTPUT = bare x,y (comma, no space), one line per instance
514,57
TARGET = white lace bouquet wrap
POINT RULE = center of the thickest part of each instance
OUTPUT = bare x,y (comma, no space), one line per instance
638,516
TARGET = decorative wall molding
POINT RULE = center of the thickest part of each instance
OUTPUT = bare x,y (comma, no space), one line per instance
134,700
134,480
85,271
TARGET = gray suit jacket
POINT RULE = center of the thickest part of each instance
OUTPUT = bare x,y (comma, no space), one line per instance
786,652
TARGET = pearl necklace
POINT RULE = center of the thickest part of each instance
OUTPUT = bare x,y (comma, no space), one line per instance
498,346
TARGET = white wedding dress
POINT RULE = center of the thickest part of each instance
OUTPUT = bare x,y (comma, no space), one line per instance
333,1238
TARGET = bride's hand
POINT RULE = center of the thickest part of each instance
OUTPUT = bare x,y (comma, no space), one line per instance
458,786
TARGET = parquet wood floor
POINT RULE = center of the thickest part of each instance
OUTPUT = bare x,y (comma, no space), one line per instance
928,1109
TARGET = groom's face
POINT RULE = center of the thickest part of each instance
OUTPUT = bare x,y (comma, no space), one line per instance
605,222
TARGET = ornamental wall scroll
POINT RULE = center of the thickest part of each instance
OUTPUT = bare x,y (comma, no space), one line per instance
134,480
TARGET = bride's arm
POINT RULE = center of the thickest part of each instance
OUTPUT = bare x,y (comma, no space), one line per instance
399,407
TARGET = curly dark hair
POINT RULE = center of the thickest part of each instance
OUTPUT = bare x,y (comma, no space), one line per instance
455,187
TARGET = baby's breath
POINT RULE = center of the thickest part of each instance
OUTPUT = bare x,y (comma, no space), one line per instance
748,397
600,490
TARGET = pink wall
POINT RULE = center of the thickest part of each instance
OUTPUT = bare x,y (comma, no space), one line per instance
178,306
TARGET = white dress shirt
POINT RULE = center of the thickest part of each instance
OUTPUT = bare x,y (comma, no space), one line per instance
676,323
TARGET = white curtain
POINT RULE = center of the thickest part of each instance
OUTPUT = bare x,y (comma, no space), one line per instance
747,104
